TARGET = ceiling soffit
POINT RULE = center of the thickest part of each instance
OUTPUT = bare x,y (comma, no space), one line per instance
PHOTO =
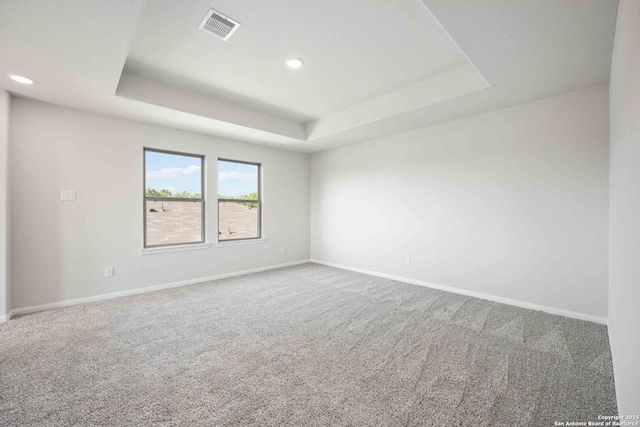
405,32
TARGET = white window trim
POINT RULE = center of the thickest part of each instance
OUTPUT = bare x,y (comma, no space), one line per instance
222,243
176,248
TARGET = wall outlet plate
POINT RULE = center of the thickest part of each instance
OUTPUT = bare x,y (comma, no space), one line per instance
68,195
108,272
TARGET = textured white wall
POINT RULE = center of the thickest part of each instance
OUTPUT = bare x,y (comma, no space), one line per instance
624,214
60,249
4,209
511,203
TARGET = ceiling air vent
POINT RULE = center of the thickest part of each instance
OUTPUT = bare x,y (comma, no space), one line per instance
219,25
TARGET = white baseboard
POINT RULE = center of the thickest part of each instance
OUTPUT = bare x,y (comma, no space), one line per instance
517,303
102,297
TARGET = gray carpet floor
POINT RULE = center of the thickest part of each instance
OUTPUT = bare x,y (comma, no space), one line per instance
305,345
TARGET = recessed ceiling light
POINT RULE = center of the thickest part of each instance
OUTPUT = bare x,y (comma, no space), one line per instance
294,62
21,79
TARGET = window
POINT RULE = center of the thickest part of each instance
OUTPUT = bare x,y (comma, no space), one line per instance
239,204
173,202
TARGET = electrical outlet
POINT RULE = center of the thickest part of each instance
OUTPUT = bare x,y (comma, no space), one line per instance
407,260
108,272
68,195
283,249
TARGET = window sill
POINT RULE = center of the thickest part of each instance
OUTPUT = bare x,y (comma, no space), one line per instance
178,248
240,242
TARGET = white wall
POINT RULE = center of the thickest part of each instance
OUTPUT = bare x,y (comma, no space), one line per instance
624,213
511,203
4,214
60,249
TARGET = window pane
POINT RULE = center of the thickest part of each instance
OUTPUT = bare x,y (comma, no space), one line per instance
173,205
238,219
173,175
173,222
237,180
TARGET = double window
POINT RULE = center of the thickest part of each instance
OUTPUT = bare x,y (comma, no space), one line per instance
174,208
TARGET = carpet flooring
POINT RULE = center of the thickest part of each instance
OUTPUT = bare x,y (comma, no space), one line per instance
304,345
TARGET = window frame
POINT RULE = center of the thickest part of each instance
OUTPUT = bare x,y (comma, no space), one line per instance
258,201
173,199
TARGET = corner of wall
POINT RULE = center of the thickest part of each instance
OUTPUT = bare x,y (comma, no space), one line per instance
5,296
624,193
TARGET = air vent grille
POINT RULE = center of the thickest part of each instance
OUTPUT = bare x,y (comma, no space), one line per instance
218,24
